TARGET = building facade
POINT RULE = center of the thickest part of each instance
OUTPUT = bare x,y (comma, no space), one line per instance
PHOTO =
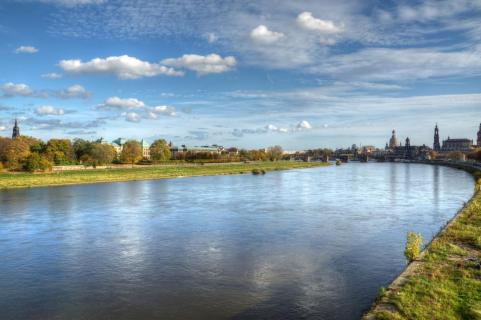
453,145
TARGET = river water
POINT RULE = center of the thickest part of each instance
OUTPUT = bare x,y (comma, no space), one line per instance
301,244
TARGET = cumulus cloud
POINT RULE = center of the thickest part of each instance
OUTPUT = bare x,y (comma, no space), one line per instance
26,49
212,63
120,103
3,128
11,89
142,111
263,34
307,21
123,67
75,91
49,110
132,116
271,127
52,76
166,110
303,125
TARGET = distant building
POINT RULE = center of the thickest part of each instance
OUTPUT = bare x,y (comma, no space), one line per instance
16,130
118,145
478,143
393,140
436,144
461,145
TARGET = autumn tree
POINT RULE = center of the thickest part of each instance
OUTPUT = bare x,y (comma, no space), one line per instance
102,154
131,152
275,153
36,162
13,152
160,150
59,151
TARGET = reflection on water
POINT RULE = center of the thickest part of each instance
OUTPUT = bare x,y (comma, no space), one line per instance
313,243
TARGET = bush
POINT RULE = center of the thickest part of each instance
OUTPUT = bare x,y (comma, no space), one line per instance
258,171
413,246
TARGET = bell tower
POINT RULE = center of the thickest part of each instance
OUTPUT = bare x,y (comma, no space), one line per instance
436,145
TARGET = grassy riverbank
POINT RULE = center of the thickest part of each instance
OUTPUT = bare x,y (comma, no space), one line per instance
28,180
445,282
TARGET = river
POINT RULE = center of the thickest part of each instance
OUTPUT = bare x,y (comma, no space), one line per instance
301,244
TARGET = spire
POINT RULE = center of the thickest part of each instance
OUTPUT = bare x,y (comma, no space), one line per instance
436,144
16,130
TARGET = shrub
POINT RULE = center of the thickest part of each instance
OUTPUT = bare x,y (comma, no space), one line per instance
413,246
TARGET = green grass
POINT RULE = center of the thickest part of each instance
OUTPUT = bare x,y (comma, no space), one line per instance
446,282
28,180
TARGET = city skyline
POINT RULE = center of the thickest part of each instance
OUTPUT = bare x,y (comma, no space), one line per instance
301,75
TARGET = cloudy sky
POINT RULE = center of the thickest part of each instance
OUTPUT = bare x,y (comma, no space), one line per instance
302,74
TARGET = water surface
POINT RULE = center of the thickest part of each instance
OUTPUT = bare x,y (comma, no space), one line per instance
310,244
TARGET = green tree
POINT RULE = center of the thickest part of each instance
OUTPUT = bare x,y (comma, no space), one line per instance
131,152
59,151
82,149
413,246
36,162
102,154
275,153
160,150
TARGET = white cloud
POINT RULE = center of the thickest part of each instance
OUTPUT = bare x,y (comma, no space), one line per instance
11,89
212,63
132,117
49,110
75,91
124,67
26,49
303,125
166,110
378,64
307,21
3,128
119,103
263,34
52,76
271,127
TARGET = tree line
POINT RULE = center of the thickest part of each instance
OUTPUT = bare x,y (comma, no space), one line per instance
30,154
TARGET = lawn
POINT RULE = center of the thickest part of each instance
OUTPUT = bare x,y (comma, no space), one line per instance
445,283
27,180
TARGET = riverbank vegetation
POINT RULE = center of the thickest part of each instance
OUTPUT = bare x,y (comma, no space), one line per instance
33,155
445,281
25,180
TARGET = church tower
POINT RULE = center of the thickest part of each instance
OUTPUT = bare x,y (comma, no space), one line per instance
436,145
407,149
16,130
393,140
479,137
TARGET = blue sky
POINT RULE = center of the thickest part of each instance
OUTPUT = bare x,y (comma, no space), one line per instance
302,74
